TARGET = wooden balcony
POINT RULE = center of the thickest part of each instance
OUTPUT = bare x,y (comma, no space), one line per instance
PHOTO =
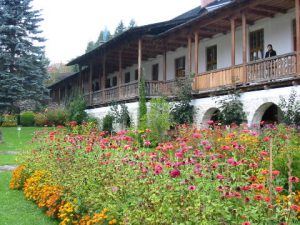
260,71
264,70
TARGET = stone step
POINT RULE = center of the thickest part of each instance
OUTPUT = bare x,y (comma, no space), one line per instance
9,152
7,168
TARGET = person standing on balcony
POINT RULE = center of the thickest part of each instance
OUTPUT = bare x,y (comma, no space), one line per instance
270,51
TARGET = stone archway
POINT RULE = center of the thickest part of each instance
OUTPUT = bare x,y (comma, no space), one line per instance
268,112
210,114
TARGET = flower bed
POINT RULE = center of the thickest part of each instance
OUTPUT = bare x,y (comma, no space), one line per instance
208,176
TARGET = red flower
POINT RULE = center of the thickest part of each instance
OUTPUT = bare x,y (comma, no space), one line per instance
278,189
266,139
295,207
294,179
246,223
210,122
252,178
247,199
175,173
220,177
258,197
245,188
264,153
276,172
197,135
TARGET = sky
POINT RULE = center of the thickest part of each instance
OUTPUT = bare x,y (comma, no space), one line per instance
70,24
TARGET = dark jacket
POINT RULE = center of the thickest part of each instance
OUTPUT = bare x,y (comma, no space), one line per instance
270,54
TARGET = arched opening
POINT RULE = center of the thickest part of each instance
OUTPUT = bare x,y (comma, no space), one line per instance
211,114
268,113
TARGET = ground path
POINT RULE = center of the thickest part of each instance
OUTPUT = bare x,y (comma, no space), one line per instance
8,167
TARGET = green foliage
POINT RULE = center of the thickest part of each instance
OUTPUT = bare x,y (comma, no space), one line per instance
40,119
56,116
27,119
90,46
232,111
290,109
9,120
183,111
120,29
107,123
142,119
159,120
76,108
22,59
120,114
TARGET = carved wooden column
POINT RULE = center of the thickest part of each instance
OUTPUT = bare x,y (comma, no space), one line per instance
189,56
244,36
196,64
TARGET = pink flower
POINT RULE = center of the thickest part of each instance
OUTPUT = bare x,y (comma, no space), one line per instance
294,179
264,172
278,189
192,188
246,223
175,173
276,172
245,188
220,177
207,147
210,122
258,197
197,135
225,147
148,131
114,189
205,142
179,155
147,143
264,153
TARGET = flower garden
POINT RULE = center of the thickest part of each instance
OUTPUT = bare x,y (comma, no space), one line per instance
241,175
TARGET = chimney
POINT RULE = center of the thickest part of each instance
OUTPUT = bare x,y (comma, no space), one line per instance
204,3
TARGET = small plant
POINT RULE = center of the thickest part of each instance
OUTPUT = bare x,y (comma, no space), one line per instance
290,109
40,119
121,115
232,111
76,107
27,119
183,111
142,105
107,123
9,120
57,116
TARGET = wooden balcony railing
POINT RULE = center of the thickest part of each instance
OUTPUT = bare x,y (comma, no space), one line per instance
160,88
272,68
219,78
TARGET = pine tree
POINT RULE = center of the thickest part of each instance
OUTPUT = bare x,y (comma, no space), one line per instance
132,24
104,36
22,58
90,46
119,29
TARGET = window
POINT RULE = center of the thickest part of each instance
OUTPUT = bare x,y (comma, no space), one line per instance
107,83
256,45
155,72
136,74
114,81
127,77
211,58
180,67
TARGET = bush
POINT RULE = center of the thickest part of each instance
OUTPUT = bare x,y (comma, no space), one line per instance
107,123
27,119
40,120
56,116
76,107
9,120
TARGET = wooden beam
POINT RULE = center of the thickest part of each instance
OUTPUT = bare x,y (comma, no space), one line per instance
189,56
260,12
272,8
140,59
233,35
196,64
297,14
244,36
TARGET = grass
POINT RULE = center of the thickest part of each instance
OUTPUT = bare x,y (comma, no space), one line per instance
7,159
16,210
17,140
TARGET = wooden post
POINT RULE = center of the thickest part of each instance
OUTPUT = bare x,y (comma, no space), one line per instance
103,77
165,66
190,55
120,72
297,12
91,85
196,65
59,96
139,59
232,41
244,33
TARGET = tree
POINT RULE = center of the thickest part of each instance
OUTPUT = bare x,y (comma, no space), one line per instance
142,119
22,57
132,24
120,114
76,107
90,46
119,29
290,109
104,36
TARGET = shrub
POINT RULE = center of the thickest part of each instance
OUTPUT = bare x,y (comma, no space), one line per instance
57,116
142,105
9,120
27,118
107,123
76,107
290,109
40,119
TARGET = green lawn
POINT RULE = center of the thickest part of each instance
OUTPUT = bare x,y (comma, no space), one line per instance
7,159
16,210
17,140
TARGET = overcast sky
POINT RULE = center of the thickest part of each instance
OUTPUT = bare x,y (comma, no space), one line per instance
70,24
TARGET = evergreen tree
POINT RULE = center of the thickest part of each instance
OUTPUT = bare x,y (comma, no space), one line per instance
22,58
90,46
132,24
104,36
119,29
